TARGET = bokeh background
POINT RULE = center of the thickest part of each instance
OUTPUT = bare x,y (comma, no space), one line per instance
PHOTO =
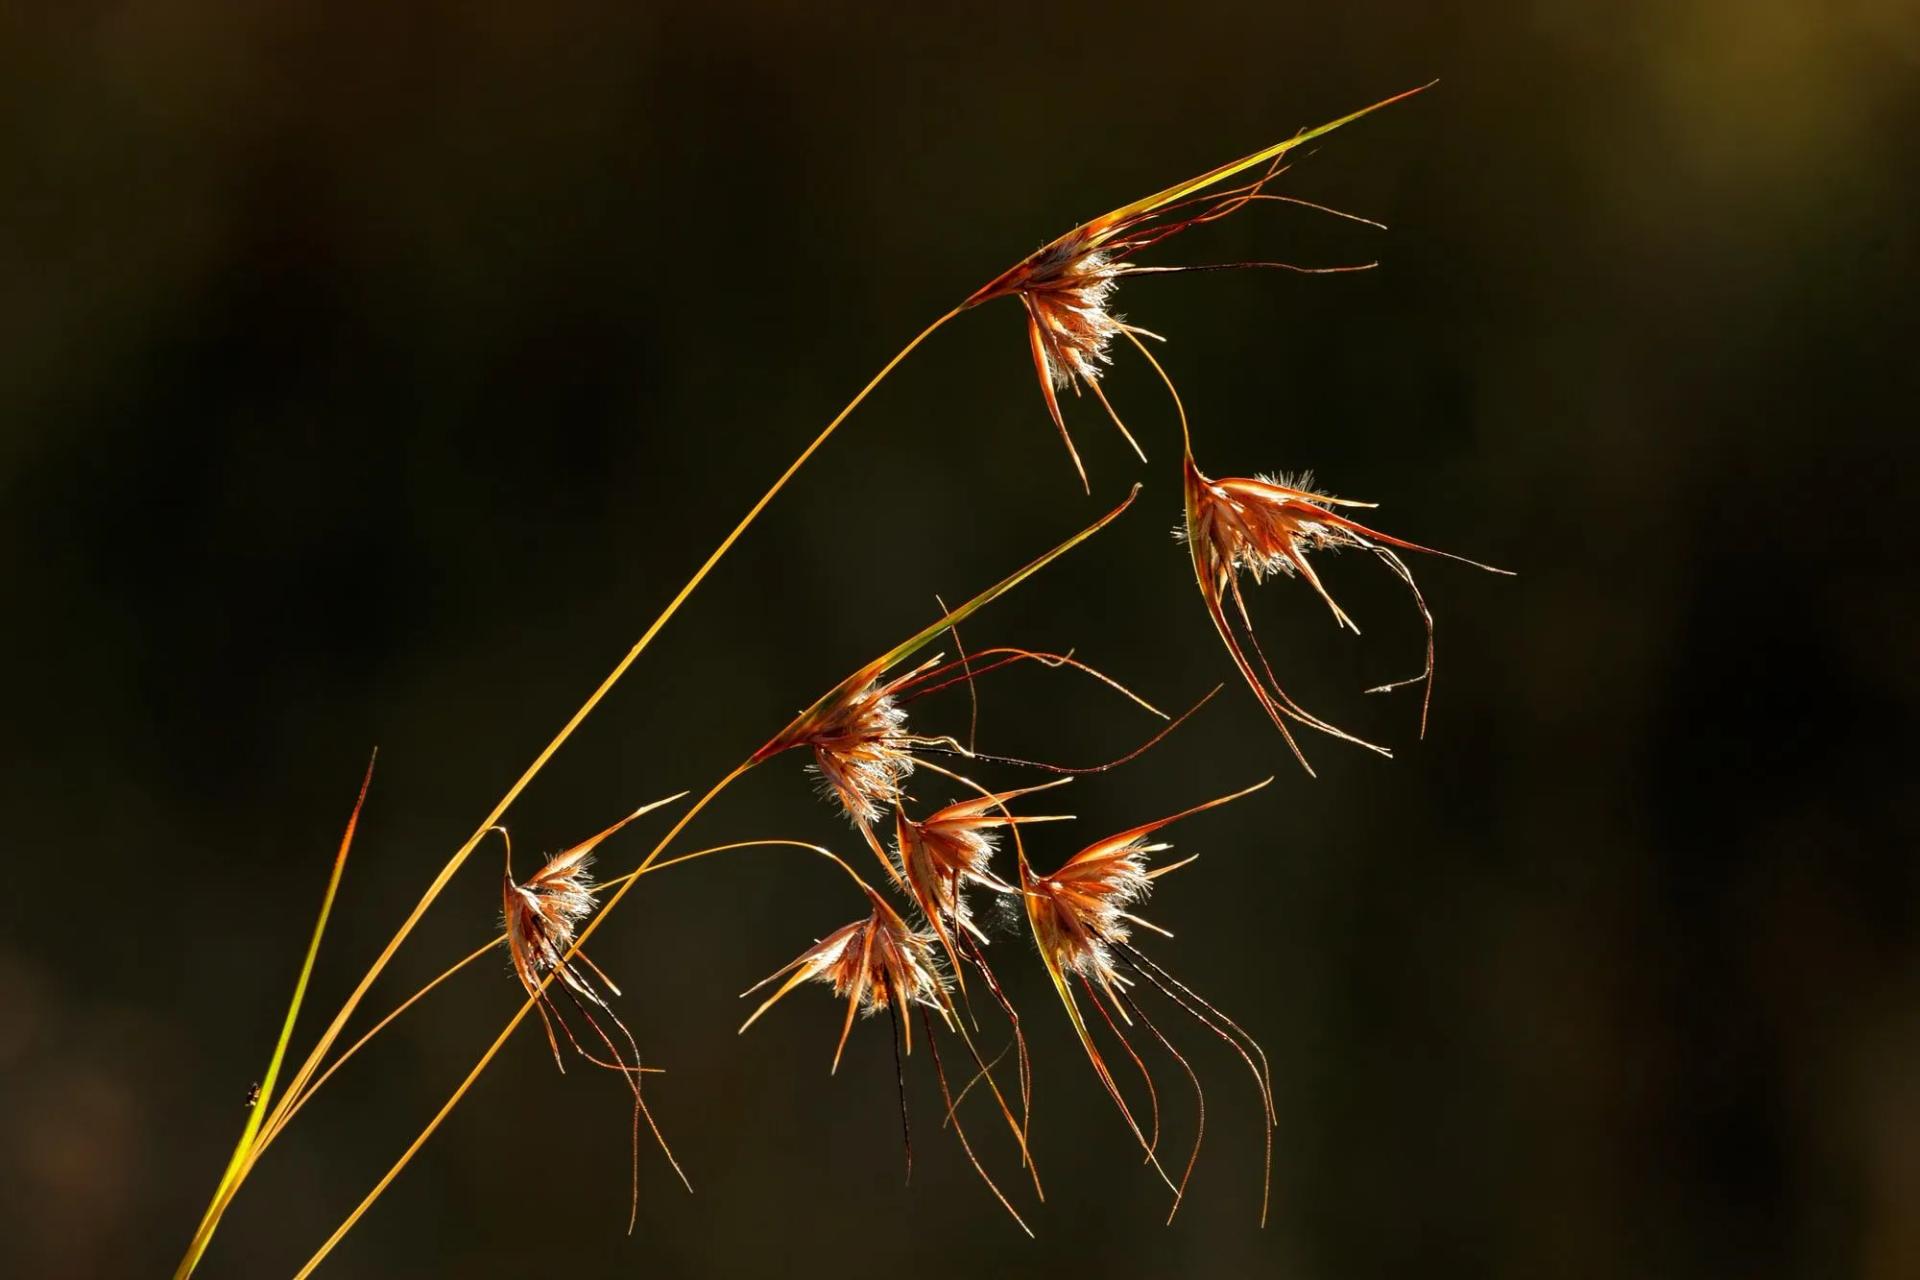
371,374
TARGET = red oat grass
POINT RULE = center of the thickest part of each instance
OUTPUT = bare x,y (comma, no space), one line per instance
857,733
953,847
880,962
796,734
1066,286
940,856
1264,527
1082,921
539,919
873,964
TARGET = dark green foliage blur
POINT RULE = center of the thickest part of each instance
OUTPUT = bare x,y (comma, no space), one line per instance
371,373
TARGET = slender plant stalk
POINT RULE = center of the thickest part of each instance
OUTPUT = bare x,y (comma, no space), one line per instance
243,1150
241,1163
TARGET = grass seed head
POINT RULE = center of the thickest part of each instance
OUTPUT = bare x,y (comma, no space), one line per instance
1263,527
542,914
953,847
541,917
1080,910
1067,285
875,963
864,754
1082,924
862,750
938,856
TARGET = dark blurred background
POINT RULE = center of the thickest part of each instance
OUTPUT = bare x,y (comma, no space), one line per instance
371,374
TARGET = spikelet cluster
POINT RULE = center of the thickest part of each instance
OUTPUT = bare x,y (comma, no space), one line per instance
1265,527
1080,911
863,753
875,963
1067,292
541,915
1066,286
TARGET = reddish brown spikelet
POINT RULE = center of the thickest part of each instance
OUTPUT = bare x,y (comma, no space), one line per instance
953,847
1262,527
861,747
541,917
881,963
857,731
1066,286
875,963
1066,290
1080,911
939,856
1082,925
862,750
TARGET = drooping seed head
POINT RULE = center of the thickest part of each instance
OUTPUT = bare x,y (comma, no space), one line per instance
880,961
938,858
1066,289
1082,910
862,751
542,914
1266,526
541,917
875,963
865,755
857,730
953,847
1066,286
1270,526
1067,300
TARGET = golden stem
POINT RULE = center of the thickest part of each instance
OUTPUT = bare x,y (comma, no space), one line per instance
282,1112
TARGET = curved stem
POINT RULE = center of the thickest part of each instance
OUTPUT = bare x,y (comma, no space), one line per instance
1186,435
281,1112
650,867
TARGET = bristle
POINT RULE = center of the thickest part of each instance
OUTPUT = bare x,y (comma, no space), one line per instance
1205,1014
1199,1101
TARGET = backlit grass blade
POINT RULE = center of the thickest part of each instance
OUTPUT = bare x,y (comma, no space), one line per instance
257,1116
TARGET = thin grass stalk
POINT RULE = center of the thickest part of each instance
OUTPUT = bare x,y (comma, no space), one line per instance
239,1166
295,1104
243,1151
